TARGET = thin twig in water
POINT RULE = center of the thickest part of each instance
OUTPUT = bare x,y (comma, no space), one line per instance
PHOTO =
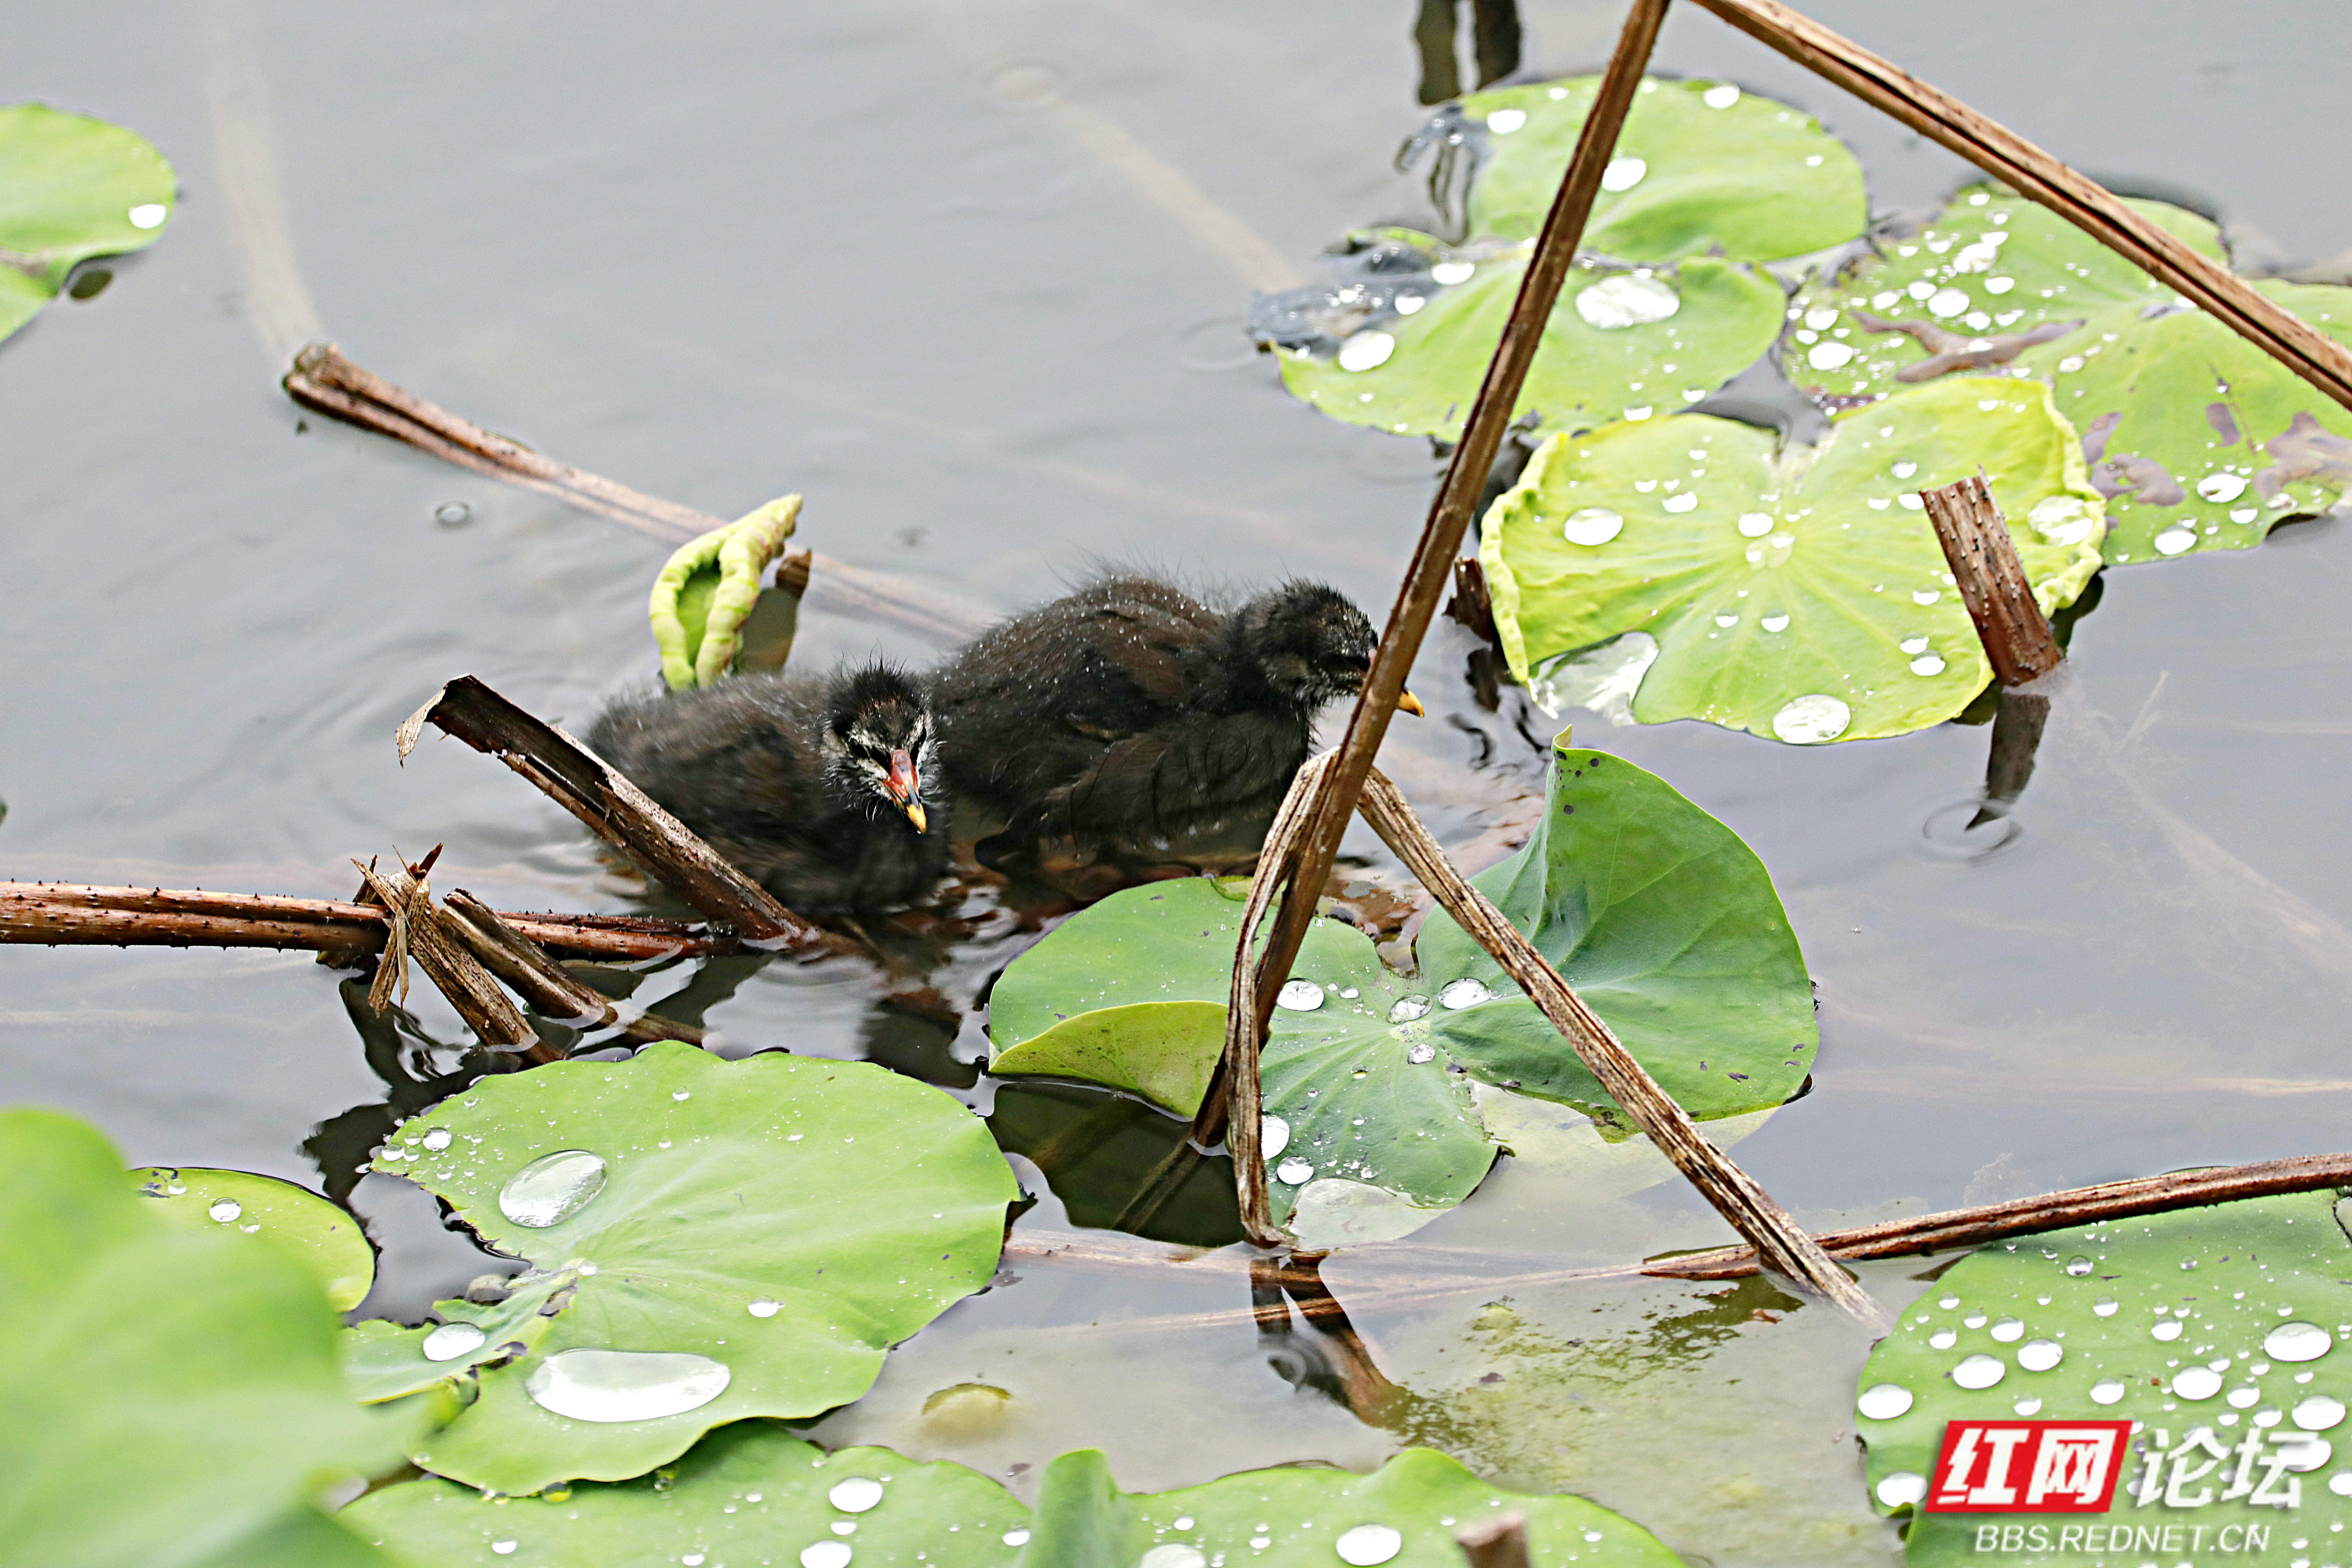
1736,1195
322,380
75,914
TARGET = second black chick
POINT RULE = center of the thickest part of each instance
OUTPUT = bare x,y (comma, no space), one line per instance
1130,712
814,789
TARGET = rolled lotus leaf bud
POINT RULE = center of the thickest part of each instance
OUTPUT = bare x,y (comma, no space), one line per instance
705,591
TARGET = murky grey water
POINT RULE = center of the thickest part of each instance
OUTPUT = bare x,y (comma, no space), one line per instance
971,277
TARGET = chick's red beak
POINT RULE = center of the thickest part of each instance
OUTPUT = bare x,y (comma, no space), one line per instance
905,789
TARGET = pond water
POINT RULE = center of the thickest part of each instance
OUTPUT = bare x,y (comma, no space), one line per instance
972,277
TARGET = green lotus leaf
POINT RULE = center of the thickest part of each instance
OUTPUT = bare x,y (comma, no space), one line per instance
721,1240
295,1220
1800,595
1406,1514
707,590
384,1360
171,1395
1663,919
1701,168
2213,1330
2199,439
70,188
1619,339
749,1493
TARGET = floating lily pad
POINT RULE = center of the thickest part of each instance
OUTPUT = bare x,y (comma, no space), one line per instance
324,1239
1666,923
170,1396
1800,595
1700,168
2199,439
2214,1329
713,1240
748,1493
1621,341
70,188
1407,1512
707,589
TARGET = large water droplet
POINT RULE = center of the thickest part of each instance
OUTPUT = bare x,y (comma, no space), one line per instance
1775,623
437,1139
1451,272
1175,1554
1980,1371
1686,501
826,1554
2062,520
1466,991
1948,302
2245,1398
1944,1339
1593,525
2009,1331
856,1494
2107,1392
1408,1008
1721,96
226,1210
2040,1355
626,1385
1883,1402
2296,1341
2169,1329
763,1308
1503,122
1273,1135
1421,1052
451,1341
1294,1172
2174,541
1369,1543
1829,355
552,1188
2320,1413
1810,720
2221,487
1623,174
2196,1383
2104,1305
1299,995
1927,664
2027,1406
1627,300
1366,350
149,214
1901,1488
1754,524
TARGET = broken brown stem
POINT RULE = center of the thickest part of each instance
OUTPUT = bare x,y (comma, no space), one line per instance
1735,1194
73,914
1991,579
427,934
617,811
541,982
322,380
1497,1542
1466,472
2035,173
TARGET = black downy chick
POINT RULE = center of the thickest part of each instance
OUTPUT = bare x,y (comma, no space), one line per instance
1130,712
817,790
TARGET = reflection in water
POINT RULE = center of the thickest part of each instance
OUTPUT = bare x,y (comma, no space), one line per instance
1494,40
417,1071
1100,1150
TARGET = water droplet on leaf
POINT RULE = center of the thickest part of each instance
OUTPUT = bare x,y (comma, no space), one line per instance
552,1188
